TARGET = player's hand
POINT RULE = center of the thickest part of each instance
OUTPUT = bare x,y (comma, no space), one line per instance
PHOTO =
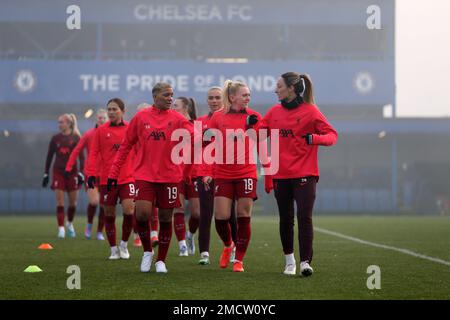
206,181
91,182
268,183
45,180
187,180
308,138
252,120
112,183
66,174
80,178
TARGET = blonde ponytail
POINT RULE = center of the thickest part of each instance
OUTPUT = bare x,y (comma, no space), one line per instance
226,95
73,124
230,88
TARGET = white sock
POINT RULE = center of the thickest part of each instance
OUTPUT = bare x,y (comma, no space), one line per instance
61,229
204,254
114,248
182,243
153,234
123,243
290,259
189,234
69,225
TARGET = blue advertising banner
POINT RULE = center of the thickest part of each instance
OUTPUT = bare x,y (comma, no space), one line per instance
336,83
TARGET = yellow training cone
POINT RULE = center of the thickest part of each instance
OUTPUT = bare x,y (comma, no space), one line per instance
32,269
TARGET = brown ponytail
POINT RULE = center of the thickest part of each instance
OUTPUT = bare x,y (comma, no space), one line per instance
190,106
192,109
308,95
302,85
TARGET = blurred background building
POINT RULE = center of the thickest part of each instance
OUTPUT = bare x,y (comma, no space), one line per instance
381,164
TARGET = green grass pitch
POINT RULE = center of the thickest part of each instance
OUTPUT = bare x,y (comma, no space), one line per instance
340,265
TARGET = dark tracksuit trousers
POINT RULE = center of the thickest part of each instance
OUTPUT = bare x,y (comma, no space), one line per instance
302,191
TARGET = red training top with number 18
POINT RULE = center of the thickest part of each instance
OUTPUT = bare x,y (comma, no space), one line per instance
226,123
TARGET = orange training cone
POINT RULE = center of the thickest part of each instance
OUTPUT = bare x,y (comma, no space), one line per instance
45,246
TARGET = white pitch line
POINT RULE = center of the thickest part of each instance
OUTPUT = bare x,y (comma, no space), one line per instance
383,246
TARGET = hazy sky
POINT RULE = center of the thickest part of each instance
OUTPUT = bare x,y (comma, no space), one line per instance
423,58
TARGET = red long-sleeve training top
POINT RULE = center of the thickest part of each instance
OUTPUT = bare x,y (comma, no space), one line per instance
296,158
240,166
62,145
104,147
84,143
152,128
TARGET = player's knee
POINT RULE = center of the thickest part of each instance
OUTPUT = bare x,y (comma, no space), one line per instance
244,214
165,215
110,211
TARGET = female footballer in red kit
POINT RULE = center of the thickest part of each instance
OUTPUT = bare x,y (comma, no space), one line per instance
104,147
93,194
206,190
157,176
236,180
61,145
154,217
306,129
188,189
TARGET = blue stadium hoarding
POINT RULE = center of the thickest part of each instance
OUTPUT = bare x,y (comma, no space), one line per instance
94,81
338,81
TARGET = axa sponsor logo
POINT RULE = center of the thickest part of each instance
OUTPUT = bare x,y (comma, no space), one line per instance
157,135
285,133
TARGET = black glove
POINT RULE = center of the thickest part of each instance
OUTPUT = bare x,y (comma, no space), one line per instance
112,183
66,174
252,120
80,178
309,138
45,181
91,182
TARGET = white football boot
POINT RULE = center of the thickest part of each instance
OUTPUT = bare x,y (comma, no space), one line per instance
123,250
160,267
146,262
305,269
114,253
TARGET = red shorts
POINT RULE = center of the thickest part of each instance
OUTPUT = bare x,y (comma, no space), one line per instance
162,195
122,192
190,191
59,182
236,189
